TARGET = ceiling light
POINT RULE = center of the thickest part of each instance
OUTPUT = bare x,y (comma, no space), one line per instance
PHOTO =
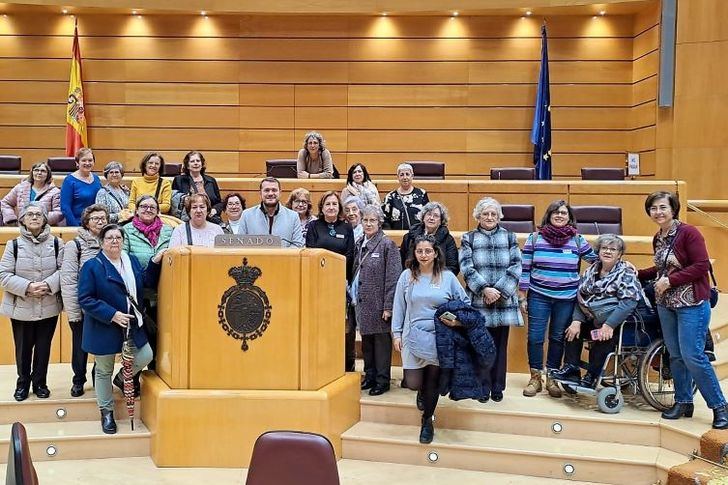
203,13
384,14
528,13
455,13
64,11
134,12
602,12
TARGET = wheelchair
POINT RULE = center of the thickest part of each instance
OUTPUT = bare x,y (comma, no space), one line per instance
639,365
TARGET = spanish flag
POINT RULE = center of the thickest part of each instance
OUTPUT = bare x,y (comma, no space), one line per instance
75,112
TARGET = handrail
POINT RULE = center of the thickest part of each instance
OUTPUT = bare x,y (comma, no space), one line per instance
720,204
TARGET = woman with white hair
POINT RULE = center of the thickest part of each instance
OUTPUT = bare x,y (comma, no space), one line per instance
402,205
352,211
31,280
114,196
433,222
314,159
491,264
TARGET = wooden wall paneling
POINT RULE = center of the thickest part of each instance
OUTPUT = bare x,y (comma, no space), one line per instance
646,18
409,95
265,117
646,42
643,139
702,21
273,140
644,115
281,72
648,165
163,139
564,71
195,94
321,95
420,72
321,118
645,90
37,91
34,69
646,66
336,140
266,95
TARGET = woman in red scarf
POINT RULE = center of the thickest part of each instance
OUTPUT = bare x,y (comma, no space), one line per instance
145,236
547,289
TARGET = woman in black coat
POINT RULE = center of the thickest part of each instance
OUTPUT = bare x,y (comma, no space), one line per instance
433,221
331,231
194,180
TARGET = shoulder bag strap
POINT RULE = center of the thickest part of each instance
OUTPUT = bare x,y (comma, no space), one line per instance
188,229
669,249
106,188
159,187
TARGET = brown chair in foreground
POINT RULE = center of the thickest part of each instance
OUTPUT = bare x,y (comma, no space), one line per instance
10,164
518,218
20,470
283,457
513,173
597,219
594,173
427,170
62,165
282,168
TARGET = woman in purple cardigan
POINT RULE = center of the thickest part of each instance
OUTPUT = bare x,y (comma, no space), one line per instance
682,292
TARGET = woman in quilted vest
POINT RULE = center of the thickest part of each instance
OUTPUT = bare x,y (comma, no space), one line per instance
37,187
83,247
31,282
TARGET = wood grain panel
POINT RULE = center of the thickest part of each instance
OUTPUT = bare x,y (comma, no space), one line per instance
643,139
645,90
646,66
431,49
322,118
559,71
266,140
325,95
395,140
646,42
182,94
645,115
266,117
263,72
266,95
483,118
702,21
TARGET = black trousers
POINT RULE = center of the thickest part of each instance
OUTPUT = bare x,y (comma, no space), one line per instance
151,336
350,340
79,358
427,381
598,353
496,379
377,350
33,350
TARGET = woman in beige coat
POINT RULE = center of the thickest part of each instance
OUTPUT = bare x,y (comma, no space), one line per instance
30,279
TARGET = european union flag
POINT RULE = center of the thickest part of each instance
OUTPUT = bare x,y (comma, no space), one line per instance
541,130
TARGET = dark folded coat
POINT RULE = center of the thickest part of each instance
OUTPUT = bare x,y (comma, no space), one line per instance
466,354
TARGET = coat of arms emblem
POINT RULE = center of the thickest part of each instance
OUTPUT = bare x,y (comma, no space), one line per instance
244,310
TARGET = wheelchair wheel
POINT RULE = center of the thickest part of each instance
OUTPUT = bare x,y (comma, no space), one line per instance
655,379
610,400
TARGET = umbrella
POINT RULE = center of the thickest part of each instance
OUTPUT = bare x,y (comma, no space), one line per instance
127,373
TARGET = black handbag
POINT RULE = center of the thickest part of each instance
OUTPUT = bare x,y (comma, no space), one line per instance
714,292
147,321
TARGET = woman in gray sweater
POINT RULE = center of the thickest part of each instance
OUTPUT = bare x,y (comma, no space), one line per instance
422,287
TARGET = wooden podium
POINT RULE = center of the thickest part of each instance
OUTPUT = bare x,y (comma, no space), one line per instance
250,340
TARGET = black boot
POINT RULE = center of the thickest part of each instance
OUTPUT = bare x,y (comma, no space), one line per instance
21,393
678,410
427,432
569,372
119,382
108,425
720,417
588,381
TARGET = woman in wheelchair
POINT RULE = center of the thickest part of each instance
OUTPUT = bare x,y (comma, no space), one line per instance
608,293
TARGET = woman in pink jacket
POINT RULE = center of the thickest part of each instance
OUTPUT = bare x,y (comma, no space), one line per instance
38,187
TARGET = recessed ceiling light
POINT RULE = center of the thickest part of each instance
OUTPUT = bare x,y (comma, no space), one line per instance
64,11
528,13
455,13
602,12
203,13
133,12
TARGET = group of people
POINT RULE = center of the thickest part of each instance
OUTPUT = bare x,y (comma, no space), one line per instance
406,298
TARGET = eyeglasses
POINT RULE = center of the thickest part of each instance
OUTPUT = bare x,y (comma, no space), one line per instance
113,238
97,218
301,201
562,213
40,170
370,221
150,208
424,251
34,215
608,250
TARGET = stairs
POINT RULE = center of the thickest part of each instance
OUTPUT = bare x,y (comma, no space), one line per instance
65,428
566,438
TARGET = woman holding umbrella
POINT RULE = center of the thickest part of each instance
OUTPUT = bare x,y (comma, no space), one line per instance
109,289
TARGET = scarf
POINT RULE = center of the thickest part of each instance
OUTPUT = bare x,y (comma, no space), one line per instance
621,283
150,231
366,192
127,274
557,236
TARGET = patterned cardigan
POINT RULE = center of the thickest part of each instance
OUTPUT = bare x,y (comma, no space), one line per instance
492,259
